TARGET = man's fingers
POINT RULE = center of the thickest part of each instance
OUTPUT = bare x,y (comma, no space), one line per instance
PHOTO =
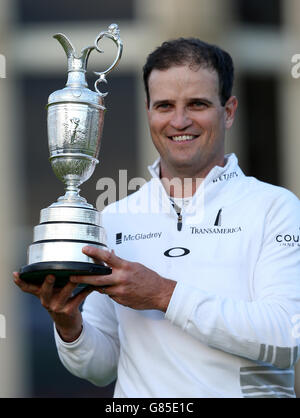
51,297
47,291
109,257
76,300
62,295
93,280
26,287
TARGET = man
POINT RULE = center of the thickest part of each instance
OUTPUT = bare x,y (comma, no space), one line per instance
205,288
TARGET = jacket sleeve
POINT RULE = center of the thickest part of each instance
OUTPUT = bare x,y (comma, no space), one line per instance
94,355
265,328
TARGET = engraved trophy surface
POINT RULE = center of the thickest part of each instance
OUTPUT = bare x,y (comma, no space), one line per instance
75,124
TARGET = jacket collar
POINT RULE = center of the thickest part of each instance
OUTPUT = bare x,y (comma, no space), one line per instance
213,188
231,168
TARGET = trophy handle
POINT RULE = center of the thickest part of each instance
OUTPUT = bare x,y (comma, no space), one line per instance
112,33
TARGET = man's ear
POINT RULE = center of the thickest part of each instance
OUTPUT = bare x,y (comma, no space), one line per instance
230,110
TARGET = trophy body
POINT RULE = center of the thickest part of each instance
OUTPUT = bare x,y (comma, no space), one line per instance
75,124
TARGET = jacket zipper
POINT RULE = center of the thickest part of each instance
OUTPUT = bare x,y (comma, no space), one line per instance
179,216
179,222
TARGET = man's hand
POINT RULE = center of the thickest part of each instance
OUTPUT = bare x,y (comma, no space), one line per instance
130,284
61,305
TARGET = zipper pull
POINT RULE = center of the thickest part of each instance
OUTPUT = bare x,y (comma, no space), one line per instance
179,222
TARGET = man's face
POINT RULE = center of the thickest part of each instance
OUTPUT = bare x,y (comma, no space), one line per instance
187,121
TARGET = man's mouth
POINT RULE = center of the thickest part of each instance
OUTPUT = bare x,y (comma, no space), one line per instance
183,138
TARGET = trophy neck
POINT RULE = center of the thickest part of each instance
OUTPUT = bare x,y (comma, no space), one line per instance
72,198
72,169
76,78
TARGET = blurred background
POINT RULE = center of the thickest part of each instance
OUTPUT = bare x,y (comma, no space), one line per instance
262,37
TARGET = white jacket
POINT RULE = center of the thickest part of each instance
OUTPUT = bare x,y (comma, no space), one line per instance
232,325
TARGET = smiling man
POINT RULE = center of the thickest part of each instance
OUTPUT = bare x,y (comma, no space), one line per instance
187,120
203,306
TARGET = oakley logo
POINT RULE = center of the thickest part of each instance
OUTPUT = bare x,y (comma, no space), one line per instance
177,252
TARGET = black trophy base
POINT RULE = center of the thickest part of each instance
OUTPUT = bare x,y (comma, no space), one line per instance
35,273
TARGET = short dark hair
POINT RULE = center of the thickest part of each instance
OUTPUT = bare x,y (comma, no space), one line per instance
195,52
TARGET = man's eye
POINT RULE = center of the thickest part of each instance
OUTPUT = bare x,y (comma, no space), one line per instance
198,105
163,106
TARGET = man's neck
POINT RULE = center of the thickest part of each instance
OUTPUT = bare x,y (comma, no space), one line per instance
181,187
184,182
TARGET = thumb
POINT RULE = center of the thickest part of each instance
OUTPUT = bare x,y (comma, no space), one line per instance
109,257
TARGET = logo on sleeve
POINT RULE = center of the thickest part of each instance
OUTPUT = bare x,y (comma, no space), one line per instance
288,240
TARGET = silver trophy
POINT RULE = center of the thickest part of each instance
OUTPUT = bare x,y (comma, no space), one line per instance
75,124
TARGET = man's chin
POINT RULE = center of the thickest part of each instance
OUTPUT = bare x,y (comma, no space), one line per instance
184,167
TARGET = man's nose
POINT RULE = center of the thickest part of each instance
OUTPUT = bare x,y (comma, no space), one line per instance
180,120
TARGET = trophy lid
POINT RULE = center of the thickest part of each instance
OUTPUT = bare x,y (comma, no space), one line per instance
76,89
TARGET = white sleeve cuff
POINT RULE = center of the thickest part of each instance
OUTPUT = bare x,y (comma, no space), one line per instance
74,344
182,305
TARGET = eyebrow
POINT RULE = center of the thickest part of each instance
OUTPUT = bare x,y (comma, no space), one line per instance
194,99
201,99
159,102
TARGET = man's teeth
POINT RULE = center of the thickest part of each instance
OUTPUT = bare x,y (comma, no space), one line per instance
183,138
